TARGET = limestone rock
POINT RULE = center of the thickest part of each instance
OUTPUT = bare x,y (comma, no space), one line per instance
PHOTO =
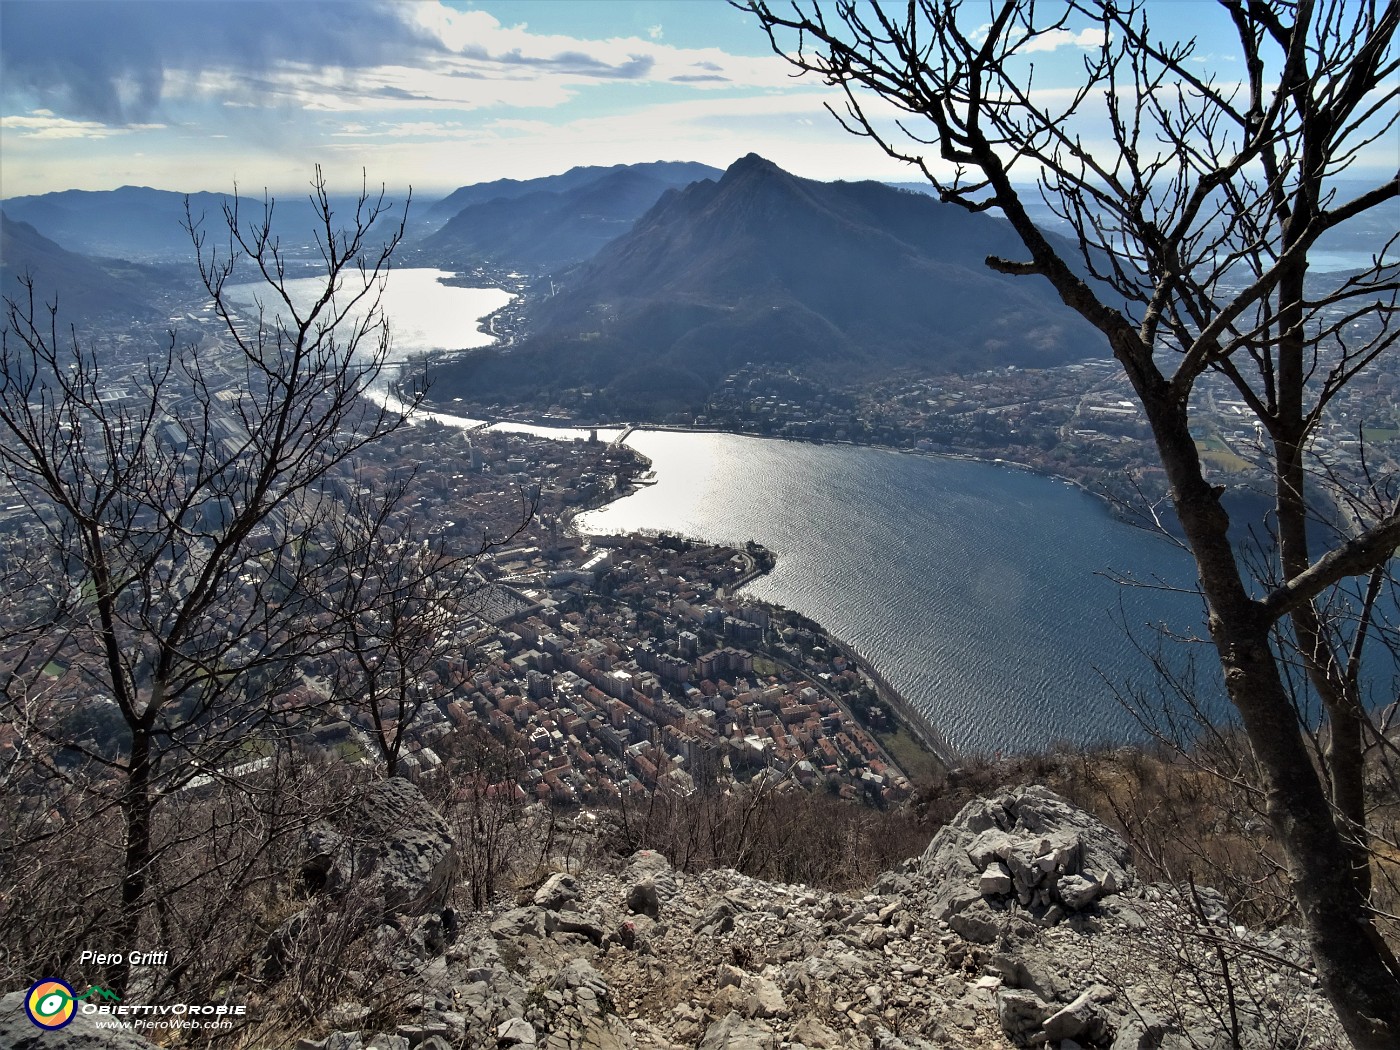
810,1032
18,1032
520,922
392,841
1021,1012
1030,842
516,1032
732,1032
558,891
764,999
650,866
978,923
1077,891
736,962
1073,1021
996,880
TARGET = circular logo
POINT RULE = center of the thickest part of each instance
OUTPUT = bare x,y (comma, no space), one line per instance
50,1003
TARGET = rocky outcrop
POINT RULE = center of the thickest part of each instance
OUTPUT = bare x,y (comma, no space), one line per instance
18,1032
1031,846
942,953
389,844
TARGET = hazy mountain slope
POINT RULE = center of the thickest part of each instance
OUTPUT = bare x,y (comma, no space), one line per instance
147,225
85,288
673,173
848,280
545,231
134,222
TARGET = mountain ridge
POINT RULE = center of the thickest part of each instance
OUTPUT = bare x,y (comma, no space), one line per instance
844,280
675,171
547,230
84,287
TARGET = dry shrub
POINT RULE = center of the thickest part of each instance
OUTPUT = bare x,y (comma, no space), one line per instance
772,830
60,863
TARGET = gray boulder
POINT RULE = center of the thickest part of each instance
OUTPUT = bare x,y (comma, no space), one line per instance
560,890
18,1032
1079,1020
1021,1013
732,1032
516,1032
389,843
651,883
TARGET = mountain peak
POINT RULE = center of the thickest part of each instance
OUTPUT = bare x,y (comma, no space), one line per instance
843,281
752,163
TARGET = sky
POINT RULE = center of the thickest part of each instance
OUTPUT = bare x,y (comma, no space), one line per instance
194,95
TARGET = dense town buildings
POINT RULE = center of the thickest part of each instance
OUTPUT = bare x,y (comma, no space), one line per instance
602,667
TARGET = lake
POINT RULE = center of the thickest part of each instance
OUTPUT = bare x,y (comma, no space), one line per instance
981,592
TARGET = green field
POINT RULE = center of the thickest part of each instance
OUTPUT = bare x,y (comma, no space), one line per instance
764,666
910,756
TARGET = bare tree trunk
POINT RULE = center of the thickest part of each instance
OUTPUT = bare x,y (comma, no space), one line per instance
137,805
1354,965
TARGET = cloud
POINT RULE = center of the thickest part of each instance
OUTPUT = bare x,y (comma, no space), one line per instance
110,62
131,62
1088,39
43,124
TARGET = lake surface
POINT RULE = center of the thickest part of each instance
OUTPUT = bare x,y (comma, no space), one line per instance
424,314
977,590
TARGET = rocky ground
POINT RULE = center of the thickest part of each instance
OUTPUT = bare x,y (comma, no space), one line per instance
1022,924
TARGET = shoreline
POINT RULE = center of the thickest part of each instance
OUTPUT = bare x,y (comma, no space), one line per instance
904,713
547,422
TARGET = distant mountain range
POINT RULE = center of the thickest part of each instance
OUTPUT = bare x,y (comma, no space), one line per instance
86,288
665,277
674,173
545,225
845,281
147,225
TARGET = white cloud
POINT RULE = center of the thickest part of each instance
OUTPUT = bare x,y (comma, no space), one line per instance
1090,39
42,124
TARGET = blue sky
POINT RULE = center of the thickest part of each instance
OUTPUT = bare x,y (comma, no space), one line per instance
197,94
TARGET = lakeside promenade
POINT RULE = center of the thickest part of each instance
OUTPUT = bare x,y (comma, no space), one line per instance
910,717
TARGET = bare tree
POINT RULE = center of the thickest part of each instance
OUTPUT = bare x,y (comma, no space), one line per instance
399,606
1195,223
184,516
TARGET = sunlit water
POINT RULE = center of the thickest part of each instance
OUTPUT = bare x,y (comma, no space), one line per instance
982,593
424,314
979,591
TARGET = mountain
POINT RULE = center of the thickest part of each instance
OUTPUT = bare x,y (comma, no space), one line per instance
147,225
547,230
845,281
673,173
86,288
134,222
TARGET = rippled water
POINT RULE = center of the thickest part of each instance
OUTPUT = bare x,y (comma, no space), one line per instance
979,591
